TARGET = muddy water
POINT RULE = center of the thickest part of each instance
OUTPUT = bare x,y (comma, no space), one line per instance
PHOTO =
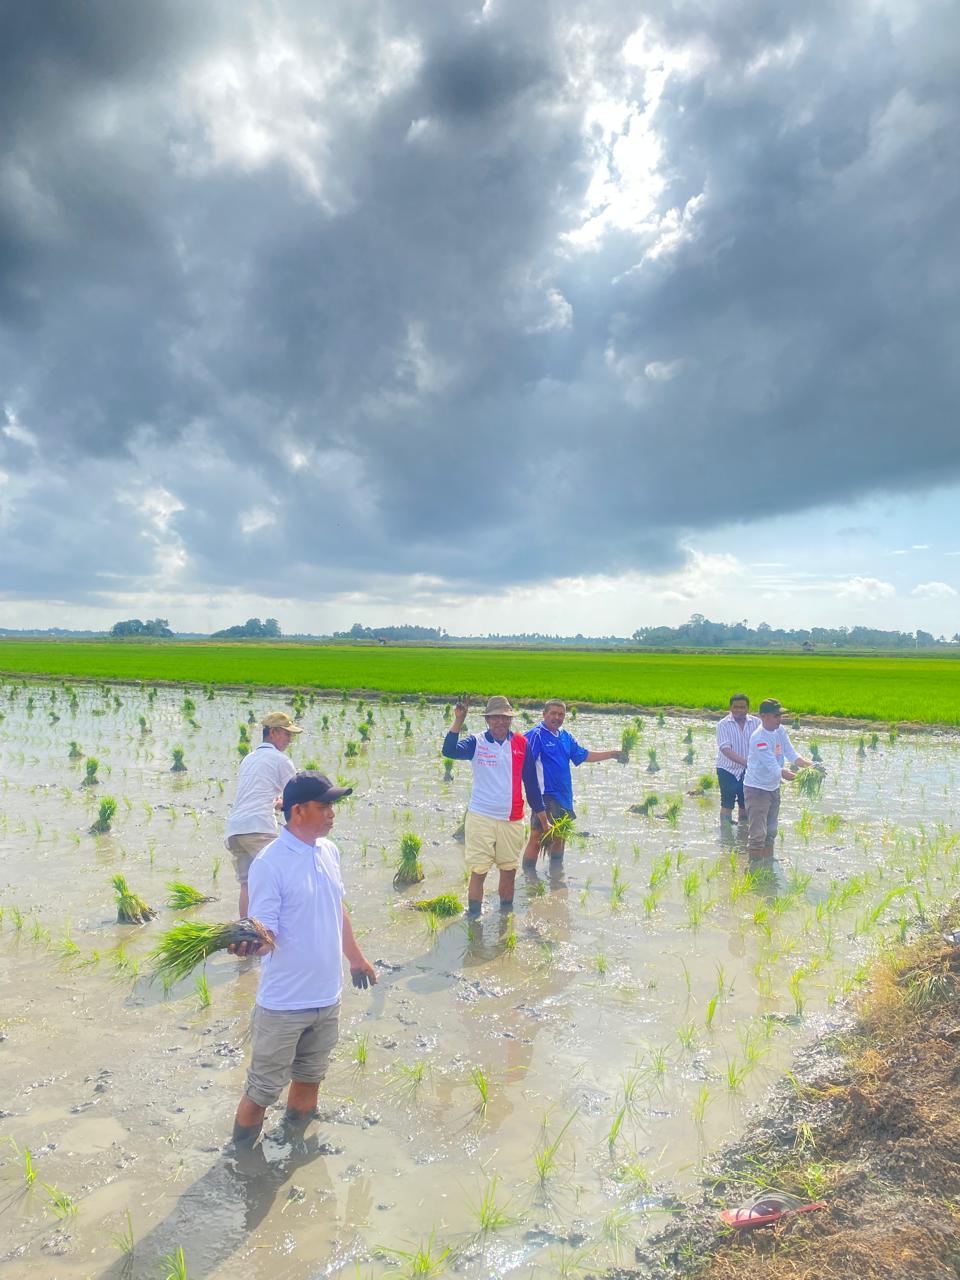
625,1019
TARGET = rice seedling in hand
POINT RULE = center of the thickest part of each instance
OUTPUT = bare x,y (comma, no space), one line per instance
105,815
91,765
448,770
409,869
652,765
178,765
131,908
444,905
185,895
189,943
560,830
809,783
628,740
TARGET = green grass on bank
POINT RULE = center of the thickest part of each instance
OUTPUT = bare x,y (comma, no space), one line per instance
878,688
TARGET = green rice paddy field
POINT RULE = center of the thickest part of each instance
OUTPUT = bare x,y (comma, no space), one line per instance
901,687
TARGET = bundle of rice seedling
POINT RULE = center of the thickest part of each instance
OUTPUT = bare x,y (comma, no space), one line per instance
628,740
705,783
409,868
647,806
446,904
185,895
810,782
131,908
105,815
189,943
560,829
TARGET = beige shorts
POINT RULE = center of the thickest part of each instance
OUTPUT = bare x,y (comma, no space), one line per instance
289,1045
245,849
491,842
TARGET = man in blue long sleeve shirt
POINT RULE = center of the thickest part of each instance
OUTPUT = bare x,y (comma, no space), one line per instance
493,831
553,750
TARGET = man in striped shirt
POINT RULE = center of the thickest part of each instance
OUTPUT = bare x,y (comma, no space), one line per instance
733,742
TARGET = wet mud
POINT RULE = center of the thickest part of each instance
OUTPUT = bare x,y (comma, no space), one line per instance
624,1020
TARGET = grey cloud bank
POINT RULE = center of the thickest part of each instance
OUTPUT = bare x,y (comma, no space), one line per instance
372,286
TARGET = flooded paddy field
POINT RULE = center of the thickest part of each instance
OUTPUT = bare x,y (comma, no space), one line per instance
534,1093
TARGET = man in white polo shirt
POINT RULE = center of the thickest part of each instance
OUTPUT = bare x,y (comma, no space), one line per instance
264,773
769,753
493,829
297,895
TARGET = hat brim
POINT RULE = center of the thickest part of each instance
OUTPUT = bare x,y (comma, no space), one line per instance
509,714
336,793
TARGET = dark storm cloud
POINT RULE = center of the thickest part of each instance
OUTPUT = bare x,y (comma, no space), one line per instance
284,288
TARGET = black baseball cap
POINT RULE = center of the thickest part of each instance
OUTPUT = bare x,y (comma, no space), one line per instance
771,707
310,785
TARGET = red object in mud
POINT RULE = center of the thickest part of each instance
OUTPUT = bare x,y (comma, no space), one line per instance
766,1209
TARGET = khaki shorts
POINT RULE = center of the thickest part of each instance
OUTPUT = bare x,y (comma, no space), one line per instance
492,841
289,1044
245,849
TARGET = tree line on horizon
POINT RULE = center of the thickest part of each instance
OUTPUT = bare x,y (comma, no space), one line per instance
698,632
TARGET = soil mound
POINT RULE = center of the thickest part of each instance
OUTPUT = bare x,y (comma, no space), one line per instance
871,1126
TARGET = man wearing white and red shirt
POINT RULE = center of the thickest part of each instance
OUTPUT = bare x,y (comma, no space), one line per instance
493,830
733,740
768,756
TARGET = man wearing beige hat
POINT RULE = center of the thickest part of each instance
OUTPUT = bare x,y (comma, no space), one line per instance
264,773
494,831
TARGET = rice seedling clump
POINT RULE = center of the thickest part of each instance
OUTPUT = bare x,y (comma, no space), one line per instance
409,869
131,908
188,944
185,895
446,904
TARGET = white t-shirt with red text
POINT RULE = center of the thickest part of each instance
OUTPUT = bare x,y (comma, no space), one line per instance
770,750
